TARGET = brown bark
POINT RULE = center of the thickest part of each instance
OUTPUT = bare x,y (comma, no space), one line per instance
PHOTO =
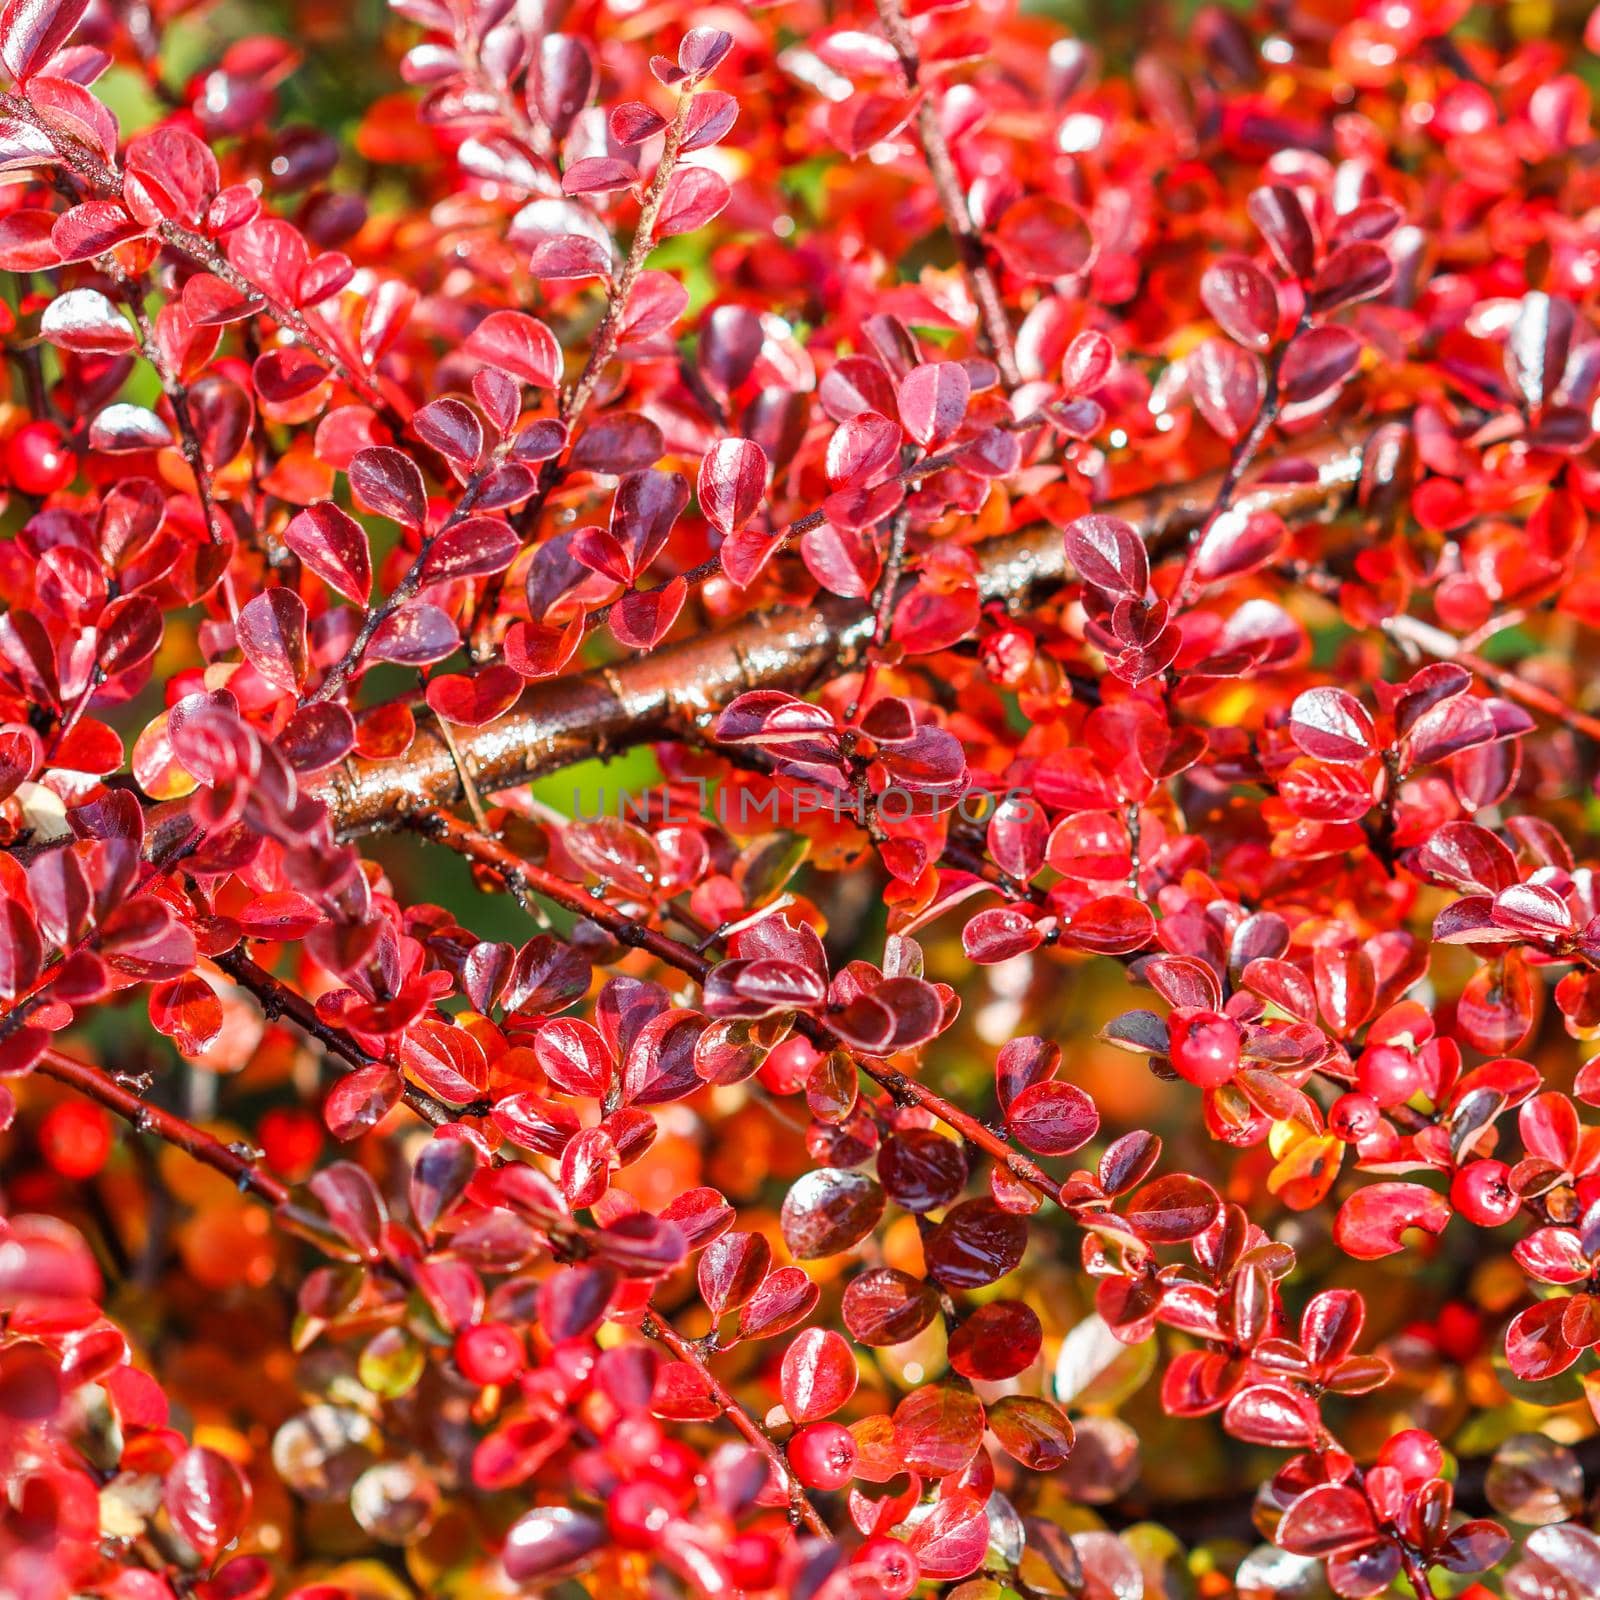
677,689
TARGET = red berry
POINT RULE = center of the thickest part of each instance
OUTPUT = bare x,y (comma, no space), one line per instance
76,1139
489,1352
638,1512
1481,1191
38,459
787,1068
1354,1117
675,1465
632,1441
888,1566
1415,1454
752,1561
292,1140
823,1456
1204,1046
1391,1076
1007,654
1460,1331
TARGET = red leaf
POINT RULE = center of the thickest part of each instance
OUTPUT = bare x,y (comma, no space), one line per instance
1042,238
1241,297
1327,1519
1226,384
694,195
85,322
1332,725
732,483
933,402
272,634
473,700
1371,1222
1053,1119
1277,212
31,31
518,344
389,484
1317,362
818,1375
1034,1431
208,1498
334,545
1108,555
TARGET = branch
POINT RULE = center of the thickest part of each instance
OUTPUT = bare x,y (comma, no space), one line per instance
105,183
952,198
518,874
1231,1515
279,1002
239,1168
1244,453
681,686
514,871
656,1327
1445,647
607,336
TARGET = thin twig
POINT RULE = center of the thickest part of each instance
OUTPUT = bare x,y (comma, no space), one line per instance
952,199
104,182
233,1164
504,862
658,1328
607,337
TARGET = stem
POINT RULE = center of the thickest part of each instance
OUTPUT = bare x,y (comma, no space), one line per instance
952,198
607,336
204,1147
506,864
712,566
340,672
1444,647
658,1328
178,397
1244,453
279,1001
105,182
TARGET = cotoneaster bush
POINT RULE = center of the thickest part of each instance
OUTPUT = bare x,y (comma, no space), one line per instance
1059,1063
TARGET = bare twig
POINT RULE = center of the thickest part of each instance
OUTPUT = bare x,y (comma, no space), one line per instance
658,1328
952,198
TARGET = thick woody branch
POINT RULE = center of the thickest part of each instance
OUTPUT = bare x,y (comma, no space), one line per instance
681,687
